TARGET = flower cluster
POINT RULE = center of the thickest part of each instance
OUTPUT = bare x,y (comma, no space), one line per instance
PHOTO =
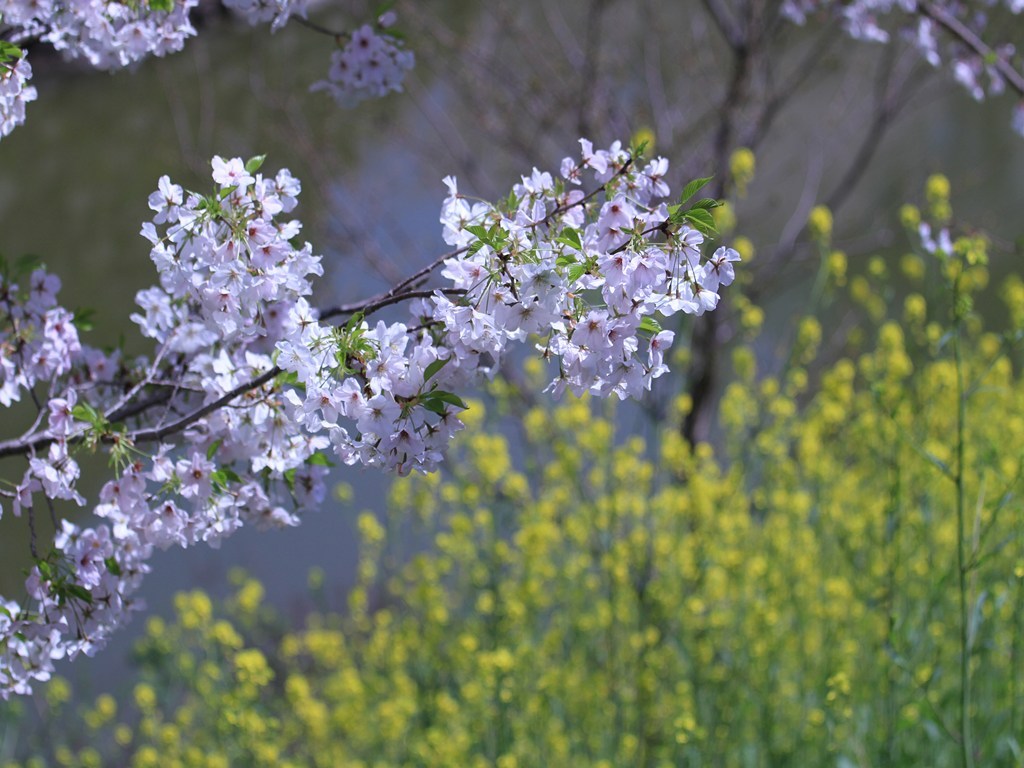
974,66
230,281
250,386
227,254
15,93
277,12
533,268
581,274
38,338
108,35
371,64
77,589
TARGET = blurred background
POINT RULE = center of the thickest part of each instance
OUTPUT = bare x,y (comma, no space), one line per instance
499,88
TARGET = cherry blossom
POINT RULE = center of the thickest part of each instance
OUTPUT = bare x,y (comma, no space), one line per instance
275,11
942,31
15,92
252,393
371,64
109,34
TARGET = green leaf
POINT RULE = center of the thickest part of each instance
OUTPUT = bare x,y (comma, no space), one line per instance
650,325
701,221
83,318
565,260
706,203
222,477
212,450
478,230
571,238
693,188
438,399
450,398
319,460
212,204
253,164
85,412
433,405
112,566
161,5
434,367
577,272
495,237
9,51
78,591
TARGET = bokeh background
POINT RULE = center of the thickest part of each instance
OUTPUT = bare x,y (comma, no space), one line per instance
499,88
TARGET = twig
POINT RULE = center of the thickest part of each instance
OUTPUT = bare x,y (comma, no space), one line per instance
158,433
955,27
703,368
339,36
888,105
372,305
141,384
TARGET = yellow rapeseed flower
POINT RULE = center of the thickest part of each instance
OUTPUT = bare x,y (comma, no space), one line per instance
742,166
819,223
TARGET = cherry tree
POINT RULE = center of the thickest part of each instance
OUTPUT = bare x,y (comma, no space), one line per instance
251,393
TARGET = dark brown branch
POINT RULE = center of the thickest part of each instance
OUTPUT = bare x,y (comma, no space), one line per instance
339,36
158,433
704,362
805,69
372,305
887,106
398,292
141,406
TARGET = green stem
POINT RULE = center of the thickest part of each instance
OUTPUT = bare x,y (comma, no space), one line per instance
891,538
966,740
1017,628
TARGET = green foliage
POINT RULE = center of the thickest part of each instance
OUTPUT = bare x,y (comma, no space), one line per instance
698,215
9,52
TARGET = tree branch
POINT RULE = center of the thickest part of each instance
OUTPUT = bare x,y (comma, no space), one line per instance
728,26
406,289
384,300
158,433
339,36
703,344
960,31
